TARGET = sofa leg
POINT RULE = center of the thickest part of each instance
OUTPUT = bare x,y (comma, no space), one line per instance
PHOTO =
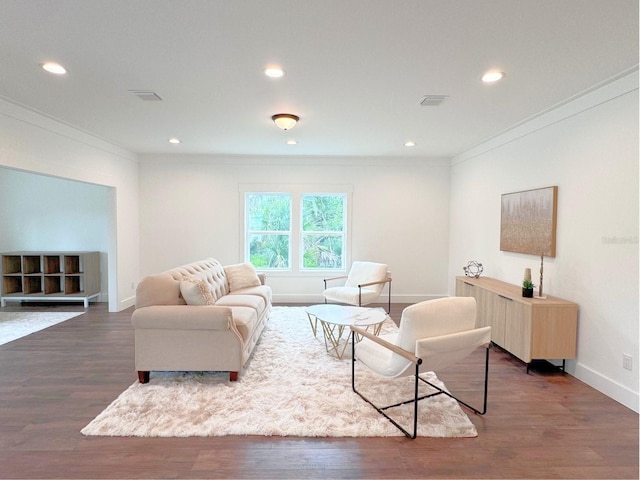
143,376
233,376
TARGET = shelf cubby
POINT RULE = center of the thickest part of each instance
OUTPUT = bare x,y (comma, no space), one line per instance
52,284
72,264
72,284
11,264
32,284
11,284
51,264
31,264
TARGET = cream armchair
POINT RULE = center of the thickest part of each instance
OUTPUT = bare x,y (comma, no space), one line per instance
432,335
362,286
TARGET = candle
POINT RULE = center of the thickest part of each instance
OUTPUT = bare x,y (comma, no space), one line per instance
527,274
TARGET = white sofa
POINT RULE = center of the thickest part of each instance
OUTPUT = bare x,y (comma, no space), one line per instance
199,317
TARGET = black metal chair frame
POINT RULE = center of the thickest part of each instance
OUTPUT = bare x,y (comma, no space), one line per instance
416,398
386,280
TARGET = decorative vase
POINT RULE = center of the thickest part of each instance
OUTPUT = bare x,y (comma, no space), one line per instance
527,292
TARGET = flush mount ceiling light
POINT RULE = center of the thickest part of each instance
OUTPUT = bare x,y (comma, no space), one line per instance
274,72
492,76
285,121
292,142
175,140
410,144
53,67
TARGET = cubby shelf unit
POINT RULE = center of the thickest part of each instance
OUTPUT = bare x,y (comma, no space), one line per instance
50,276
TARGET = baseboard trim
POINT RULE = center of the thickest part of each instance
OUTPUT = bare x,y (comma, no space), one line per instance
610,388
318,298
123,304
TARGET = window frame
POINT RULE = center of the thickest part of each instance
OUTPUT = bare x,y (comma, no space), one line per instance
296,247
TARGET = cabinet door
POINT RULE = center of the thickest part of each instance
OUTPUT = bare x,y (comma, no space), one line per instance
464,289
554,332
517,333
493,310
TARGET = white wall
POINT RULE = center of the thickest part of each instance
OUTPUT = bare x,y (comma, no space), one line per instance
45,213
32,142
190,208
588,148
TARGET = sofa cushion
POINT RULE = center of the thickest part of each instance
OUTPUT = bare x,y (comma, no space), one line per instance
196,292
263,291
350,295
255,302
241,275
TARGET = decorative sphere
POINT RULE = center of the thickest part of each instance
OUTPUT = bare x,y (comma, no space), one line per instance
473,269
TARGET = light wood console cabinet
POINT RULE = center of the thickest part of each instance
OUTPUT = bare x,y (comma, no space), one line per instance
529,328
44,276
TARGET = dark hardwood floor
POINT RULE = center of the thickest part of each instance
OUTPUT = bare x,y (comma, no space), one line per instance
52,383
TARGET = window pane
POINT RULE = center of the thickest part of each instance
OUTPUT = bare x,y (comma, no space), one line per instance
269,251
322,251
269,212
323,213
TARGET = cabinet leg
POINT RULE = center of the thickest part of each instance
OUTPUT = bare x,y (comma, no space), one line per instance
143,376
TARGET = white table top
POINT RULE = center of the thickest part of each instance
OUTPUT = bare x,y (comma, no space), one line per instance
347,315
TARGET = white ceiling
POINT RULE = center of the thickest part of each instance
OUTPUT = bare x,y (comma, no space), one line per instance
356,70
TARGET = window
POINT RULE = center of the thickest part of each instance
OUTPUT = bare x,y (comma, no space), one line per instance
322,231
268,227
310,227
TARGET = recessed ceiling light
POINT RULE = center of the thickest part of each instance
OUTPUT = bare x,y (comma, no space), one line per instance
274,72
53,67
292,142
410,144
175,140
492,76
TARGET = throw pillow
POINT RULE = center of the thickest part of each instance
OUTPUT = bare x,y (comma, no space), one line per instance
241,275
196,292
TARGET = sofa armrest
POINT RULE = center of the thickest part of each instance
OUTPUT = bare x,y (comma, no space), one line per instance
183,317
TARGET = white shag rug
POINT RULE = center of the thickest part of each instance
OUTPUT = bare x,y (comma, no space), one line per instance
14,325
289,387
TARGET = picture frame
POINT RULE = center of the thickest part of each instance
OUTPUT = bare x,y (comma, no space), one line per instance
528,221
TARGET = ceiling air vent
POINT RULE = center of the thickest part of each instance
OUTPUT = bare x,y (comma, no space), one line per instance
146,95
432,100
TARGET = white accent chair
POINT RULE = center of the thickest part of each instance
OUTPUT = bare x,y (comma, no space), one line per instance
363,285
432,335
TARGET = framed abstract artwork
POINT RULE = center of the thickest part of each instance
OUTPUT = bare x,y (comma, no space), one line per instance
528,222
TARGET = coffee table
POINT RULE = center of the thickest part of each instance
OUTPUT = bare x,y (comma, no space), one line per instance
335,319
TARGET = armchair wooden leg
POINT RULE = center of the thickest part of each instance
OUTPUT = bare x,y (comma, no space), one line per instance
233,376
143,376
